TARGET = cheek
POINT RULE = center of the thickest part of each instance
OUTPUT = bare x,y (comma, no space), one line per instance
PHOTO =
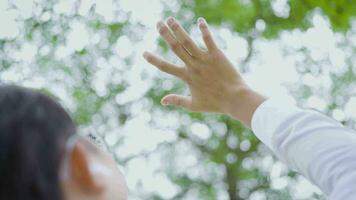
116,182
122,185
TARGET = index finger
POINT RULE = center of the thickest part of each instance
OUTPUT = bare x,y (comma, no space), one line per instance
164,65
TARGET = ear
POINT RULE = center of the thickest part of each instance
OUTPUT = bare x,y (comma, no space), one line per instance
81,173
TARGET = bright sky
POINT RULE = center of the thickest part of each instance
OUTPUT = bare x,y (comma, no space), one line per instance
270,71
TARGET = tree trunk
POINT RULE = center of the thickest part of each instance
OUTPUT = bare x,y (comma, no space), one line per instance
232,181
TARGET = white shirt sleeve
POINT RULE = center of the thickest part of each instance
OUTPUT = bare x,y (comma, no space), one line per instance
318,147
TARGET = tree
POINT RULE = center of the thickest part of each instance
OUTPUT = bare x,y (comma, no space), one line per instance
84,55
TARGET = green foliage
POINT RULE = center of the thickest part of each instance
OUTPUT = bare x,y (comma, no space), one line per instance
229,161
243,15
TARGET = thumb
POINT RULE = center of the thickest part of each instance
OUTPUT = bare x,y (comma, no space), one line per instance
177,100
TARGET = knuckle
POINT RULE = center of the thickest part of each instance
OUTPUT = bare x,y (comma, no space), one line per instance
179,101
183,75
161,65
203,27
199,56
188,79
206,37
175,45
162,30
185,41
174,26
217,53
214,52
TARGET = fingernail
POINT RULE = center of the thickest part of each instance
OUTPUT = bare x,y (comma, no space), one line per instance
164,102
202,21
170,20
145,54
159,25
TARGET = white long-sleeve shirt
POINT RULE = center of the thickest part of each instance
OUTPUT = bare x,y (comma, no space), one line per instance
317,146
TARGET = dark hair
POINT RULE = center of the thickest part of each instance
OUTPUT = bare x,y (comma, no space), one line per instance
33,131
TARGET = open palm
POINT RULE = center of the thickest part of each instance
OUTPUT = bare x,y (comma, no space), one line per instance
211,77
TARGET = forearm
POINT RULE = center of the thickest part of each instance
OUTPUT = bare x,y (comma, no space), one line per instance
313,144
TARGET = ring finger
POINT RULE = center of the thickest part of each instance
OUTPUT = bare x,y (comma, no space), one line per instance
177,48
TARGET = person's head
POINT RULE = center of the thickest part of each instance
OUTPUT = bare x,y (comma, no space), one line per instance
42,158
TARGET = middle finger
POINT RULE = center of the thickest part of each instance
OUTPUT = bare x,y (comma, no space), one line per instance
177,48
183,37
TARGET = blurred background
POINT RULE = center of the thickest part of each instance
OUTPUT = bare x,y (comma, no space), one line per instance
87,55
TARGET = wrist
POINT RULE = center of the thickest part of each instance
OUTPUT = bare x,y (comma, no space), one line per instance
243,103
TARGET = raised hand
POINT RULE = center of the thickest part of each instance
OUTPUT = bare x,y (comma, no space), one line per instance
214,83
